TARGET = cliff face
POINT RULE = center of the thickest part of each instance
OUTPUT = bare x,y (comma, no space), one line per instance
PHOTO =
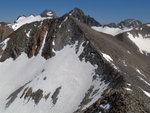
61,65
5,30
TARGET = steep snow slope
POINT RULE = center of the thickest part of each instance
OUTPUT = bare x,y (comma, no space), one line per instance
141,42
63,79
110,31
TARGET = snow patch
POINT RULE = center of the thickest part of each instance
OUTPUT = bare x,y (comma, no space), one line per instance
63,22
4,43
107,57
144,81
111,31
99,85
65,19
148,25
107,106
40,24
140,72
28,33
64,70
53,50
124,63
128,89
146,36
70,14
128,84
42,47
141,42
60,26
129,52
49,13
53,42
146,93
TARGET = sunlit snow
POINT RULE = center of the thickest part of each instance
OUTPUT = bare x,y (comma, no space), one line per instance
107,57
128,89
142,43
107,106
4,43
64,70
26,20
28,33
110,31
140,72
144,81
50,13
148,25
146,93
110,60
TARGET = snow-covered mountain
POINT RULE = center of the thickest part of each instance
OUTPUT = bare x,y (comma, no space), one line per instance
22,20
70,64
115,29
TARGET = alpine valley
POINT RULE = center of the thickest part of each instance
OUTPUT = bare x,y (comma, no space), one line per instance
74,64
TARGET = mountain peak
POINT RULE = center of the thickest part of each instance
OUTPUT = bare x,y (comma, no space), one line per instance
130,23
77,11
79,14
48,13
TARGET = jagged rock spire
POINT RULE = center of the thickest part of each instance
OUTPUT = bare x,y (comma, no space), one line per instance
78,13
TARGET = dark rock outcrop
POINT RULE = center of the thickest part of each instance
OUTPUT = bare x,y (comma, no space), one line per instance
5,30
77,13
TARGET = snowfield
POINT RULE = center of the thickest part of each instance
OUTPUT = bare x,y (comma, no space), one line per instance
142,43
26,20
110,31
148,25
64,70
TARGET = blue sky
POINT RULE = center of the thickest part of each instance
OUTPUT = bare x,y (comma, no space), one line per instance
104,11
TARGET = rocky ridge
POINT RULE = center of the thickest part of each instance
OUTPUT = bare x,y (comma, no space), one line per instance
5,30
119,66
